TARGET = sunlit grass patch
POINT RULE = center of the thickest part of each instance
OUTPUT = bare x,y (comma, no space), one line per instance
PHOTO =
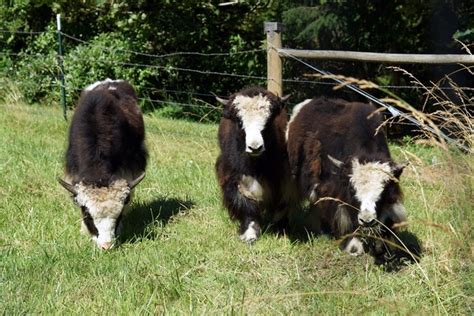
180,253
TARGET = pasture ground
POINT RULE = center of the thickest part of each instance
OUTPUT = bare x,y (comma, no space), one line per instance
180,252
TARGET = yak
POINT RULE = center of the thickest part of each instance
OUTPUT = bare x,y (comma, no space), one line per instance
341,164
106,156
252,168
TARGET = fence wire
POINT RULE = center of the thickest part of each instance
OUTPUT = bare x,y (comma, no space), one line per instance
251,51
168,68
168,102
217,73
392,109
24,32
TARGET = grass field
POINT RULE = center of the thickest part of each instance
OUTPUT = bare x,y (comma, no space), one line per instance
180,252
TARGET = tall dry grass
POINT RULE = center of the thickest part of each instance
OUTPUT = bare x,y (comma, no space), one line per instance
9,92
445,125
446,117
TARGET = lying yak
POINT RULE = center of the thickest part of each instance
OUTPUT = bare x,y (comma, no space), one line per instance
106,156
342,165
252,167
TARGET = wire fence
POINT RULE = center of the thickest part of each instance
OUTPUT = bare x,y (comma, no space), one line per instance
178,68
252,51
23,32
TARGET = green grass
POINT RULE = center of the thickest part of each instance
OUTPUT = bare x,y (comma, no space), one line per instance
180,252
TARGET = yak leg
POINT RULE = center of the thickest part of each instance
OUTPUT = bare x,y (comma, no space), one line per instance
250,230
251,195
344,225
354,247
241,196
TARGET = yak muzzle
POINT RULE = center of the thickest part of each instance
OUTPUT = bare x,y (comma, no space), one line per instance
106,245
367,219
254,145
255,150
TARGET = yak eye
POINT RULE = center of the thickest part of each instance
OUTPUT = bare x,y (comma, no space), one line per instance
118,224
352,191
239,123
127,200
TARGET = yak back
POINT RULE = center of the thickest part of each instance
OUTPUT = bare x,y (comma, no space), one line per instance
106,137
346,129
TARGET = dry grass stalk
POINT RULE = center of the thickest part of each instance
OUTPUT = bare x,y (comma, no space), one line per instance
452,120
9,92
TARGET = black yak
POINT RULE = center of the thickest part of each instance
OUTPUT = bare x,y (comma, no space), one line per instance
106,156
252,168
341,163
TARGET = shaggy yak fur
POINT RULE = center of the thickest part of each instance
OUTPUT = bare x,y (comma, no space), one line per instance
252,168
342,165
106,156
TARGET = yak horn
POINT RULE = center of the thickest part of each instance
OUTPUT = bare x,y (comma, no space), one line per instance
285,98
398,168
67,186
136,181
223,101
336,162
402,165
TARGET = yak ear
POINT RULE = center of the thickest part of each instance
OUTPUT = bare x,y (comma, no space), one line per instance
285,98
136,181
336,162
67,186
398,168
227,113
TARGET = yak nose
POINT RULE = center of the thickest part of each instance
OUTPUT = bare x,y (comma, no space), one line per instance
255,149
366,219
106,245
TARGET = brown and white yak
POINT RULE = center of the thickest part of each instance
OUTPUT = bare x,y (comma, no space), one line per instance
337,152
106,156
252,167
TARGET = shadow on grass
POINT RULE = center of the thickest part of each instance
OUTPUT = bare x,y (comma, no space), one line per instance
392,255
395,258
292,227
297,227
142,218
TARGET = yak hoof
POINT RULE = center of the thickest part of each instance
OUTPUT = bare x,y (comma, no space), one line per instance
355,247
251,233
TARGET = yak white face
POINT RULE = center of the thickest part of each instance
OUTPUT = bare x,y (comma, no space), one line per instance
101,209
254,113
368,181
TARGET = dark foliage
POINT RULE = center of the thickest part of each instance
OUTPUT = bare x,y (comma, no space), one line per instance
109,32
425,27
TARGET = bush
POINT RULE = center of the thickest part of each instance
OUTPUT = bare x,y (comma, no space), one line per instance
109,31
36,70
105,56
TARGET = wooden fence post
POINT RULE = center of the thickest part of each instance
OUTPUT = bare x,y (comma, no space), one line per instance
274,61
